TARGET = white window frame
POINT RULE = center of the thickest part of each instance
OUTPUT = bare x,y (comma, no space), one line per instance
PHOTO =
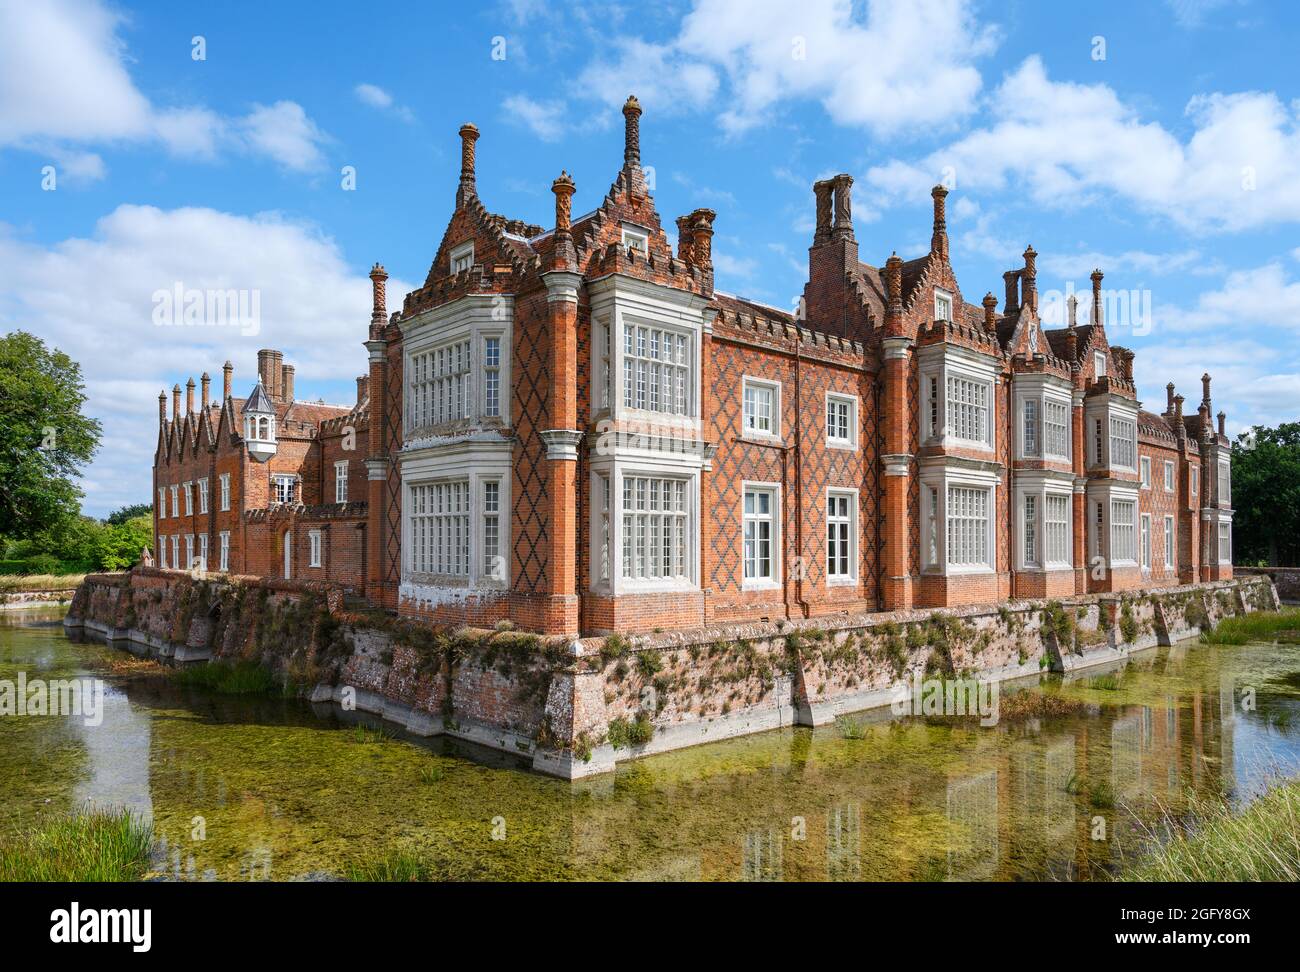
162,551
636,238
1043,486
223,547
492,519
773,491
940,365
1101,414
1170,481
1223,549
188,490
277,481
1046,394
203,552
1031,518
1145,465
225,491
851,523
644,513
1195,480
189,551
939,476
341,481
851,401
1223,483
203,495
761,385
474,462
1099,363
176,551
1123,535
314,547
940,298
470,319
605,525
1171,552
461,257
1067,560
1145,550
162,502
176,502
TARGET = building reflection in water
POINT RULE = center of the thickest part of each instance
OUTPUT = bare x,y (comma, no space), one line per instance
973,813
844,843
763,857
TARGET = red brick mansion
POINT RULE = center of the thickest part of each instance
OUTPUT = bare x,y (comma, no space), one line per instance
570,428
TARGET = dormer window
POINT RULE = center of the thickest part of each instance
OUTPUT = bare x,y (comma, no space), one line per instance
942,306
636,240
462,257
259,424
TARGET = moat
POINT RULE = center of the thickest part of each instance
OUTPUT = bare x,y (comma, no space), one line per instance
287,790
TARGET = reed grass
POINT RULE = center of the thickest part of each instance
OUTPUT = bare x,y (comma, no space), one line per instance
92,845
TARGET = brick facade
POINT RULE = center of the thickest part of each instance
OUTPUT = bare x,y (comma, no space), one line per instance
554,430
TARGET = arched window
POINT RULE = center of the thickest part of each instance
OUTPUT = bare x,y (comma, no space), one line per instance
264,427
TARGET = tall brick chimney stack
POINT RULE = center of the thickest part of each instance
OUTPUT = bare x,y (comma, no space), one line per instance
1029,279
632,170
822,191
939,238
702,237
1169,398
189,397
286,382
563,256
162,408
227,370
894,290
843,201
176,401
685,240
1072,311
268,370
467,189
1205,392
205,385
1223,418
1097,317
1129,355
1011,279
363,388
378,299
1180,430
990,313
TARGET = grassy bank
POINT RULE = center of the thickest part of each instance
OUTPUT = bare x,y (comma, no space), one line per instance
1259,843
397,865
94,845
12,583
1260,626
228,678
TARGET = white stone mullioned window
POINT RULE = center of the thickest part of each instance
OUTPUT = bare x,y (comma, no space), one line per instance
1112,520
958,397
455,516
1225,542
760,405
176,508
644,530
1110,425
761,535
958,517
1223,482
645,352
284,489
203,551
203,495
456,365
223,546
1042,417
225,491
1044,517
162,502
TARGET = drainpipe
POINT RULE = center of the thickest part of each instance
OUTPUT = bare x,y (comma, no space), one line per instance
798,480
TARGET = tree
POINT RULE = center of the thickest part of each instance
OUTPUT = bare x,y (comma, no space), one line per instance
44,437
1266,495
120,544
118,517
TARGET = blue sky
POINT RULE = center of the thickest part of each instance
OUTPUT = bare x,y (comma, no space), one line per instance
1160,141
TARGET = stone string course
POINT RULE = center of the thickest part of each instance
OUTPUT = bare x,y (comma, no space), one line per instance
575,708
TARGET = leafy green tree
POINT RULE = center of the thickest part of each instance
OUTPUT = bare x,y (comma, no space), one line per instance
1266,495
44,437
129,513
120,544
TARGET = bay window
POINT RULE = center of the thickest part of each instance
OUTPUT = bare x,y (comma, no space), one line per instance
439,385
968,409
492,565
655,528
439,528
1224,497
1043,529
1030,531
1030,427
1123,443
1057,529
656,369
1122,529
968,526
1056,428
1225,542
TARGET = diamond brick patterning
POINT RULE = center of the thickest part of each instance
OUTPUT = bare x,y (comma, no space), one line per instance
836,344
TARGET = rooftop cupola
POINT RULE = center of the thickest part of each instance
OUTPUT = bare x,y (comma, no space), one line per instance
259,424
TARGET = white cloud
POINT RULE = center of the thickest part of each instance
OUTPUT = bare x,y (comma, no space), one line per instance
283,132
1256,300
546,119
92,297
377,97
745,60
1066,143
1192,13
64,84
